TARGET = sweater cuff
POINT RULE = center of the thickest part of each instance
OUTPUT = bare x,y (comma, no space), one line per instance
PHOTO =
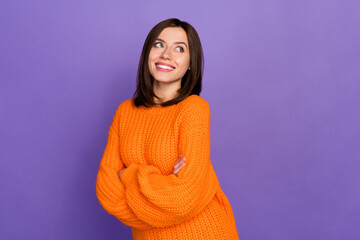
129,174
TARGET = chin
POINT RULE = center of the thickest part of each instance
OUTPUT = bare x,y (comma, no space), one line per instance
163,80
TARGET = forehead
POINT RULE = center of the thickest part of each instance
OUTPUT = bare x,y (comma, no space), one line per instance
173,34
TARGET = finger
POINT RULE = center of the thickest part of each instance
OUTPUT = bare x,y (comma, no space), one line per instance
179,162
176,171
176,168
177,165
180,167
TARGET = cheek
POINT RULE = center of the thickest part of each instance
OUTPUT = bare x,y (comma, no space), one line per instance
151,55
150,60
187,59
185,63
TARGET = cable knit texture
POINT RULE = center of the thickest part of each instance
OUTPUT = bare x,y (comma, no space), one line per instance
149,198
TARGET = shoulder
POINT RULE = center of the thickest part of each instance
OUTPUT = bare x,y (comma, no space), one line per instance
194,108
195,102
124,106
127,103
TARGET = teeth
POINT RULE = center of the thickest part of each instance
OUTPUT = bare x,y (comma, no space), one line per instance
164,67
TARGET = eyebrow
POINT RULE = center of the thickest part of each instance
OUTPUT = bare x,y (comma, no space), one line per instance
159,39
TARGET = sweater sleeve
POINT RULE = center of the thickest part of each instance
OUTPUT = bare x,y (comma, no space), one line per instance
110,190
163,201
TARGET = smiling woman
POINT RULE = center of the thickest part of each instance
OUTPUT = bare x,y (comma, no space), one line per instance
142,179
171,63
169,59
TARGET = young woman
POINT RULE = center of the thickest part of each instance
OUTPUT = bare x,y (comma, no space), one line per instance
143,179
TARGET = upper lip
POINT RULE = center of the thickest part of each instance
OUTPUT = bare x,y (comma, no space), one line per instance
162,63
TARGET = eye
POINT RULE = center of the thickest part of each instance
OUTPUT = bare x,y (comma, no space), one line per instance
158,44
180,49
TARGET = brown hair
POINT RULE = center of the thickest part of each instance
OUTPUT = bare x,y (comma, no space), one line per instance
190,82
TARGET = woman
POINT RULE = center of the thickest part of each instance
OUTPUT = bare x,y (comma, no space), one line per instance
143,179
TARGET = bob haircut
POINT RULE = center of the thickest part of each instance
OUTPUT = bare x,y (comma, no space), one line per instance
190,82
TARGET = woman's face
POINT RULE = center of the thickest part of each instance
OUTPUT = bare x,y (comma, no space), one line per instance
169,57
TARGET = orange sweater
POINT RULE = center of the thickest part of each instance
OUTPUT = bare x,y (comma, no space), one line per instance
152,200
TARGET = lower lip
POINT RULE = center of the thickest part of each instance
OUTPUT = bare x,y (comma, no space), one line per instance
163,70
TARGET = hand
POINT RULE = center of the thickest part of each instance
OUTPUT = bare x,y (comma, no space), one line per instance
121,172
180,163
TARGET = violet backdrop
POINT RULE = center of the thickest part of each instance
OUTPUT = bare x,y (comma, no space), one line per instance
282,79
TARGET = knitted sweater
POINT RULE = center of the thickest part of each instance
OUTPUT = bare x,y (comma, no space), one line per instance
152,200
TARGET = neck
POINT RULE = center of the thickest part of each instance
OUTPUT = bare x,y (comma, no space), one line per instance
166,91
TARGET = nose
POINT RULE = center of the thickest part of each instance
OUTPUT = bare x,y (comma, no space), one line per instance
166,54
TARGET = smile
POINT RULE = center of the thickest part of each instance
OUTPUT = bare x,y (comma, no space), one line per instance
164,67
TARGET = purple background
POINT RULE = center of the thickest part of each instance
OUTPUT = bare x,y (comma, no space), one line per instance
282,79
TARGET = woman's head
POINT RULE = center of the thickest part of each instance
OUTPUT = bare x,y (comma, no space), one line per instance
169,58
185,58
